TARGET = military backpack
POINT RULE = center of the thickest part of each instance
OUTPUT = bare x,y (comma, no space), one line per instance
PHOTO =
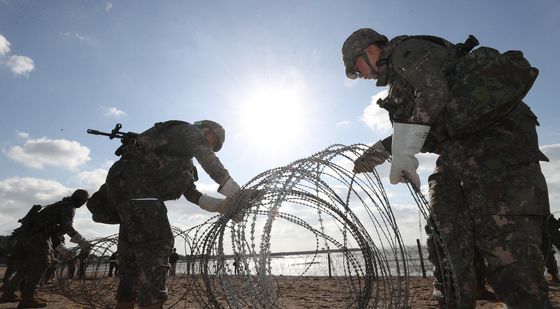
485,85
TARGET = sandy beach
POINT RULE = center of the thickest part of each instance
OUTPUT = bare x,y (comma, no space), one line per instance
292,292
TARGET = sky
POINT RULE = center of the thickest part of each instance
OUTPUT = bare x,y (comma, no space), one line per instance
270,72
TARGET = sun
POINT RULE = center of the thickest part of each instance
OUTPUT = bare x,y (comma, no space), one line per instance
272,114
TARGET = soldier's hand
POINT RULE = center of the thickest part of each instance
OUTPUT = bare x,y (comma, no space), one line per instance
247,194
372,157
212,204
242,200
62,250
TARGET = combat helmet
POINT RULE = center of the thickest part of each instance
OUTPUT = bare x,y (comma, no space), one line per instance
216,128
80,197
355,45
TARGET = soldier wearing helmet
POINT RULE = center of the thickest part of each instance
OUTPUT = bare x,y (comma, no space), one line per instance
32,247
488,192
157,166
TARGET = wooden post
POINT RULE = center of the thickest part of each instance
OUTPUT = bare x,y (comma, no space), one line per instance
421,258
329,262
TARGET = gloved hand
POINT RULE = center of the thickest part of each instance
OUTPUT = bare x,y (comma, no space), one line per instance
220,205
62,250
372,157
229,188
212,204
80,240
408,140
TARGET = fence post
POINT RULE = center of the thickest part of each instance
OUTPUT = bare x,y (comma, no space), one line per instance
329,262
421,258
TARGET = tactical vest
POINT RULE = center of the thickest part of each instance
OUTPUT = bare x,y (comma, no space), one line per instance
400,102
169,166
484,86
47,220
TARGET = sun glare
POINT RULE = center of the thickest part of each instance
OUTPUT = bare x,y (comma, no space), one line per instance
273,115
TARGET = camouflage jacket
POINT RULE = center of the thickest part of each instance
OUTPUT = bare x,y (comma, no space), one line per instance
415,71
164,156
54,220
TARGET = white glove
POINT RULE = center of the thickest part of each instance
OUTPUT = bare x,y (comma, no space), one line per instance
372,157
212,204
80,240
229,188
62,250
408,140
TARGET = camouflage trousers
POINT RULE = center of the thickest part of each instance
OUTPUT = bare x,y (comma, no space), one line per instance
145,244
500,213
145,237
443,278
548,252
32,255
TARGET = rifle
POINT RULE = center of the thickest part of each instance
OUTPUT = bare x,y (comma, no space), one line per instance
125,137
114,133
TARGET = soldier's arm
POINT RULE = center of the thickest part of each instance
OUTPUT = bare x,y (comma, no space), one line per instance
192,194
204,155
67,220
420,64
387,143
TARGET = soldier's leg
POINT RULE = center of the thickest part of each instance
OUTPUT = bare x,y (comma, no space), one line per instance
454,225
39,260
437,258
128,274
150,240
548,252
479,269
13,280
515,261
510,239
10,268
552,266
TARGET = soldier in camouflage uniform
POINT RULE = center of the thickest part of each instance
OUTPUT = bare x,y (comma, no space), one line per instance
154,167
551,237
56,241
443,279
33,249
487,190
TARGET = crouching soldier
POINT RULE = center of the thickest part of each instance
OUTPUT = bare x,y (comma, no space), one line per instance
33,247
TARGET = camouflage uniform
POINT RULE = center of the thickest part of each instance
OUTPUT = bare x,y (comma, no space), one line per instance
56,258
33,250
487,190
158,167
10,260
551,236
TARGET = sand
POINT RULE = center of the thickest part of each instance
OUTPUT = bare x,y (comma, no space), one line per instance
302,292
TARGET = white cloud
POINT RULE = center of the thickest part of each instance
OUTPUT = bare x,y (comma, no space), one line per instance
18,194
344,124
208,188
92,180
23,135
20,65
375,117
113,111
108,6
38,153
4,45
77,36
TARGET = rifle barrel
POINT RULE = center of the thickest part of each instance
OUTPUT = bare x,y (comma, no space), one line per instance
96,132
